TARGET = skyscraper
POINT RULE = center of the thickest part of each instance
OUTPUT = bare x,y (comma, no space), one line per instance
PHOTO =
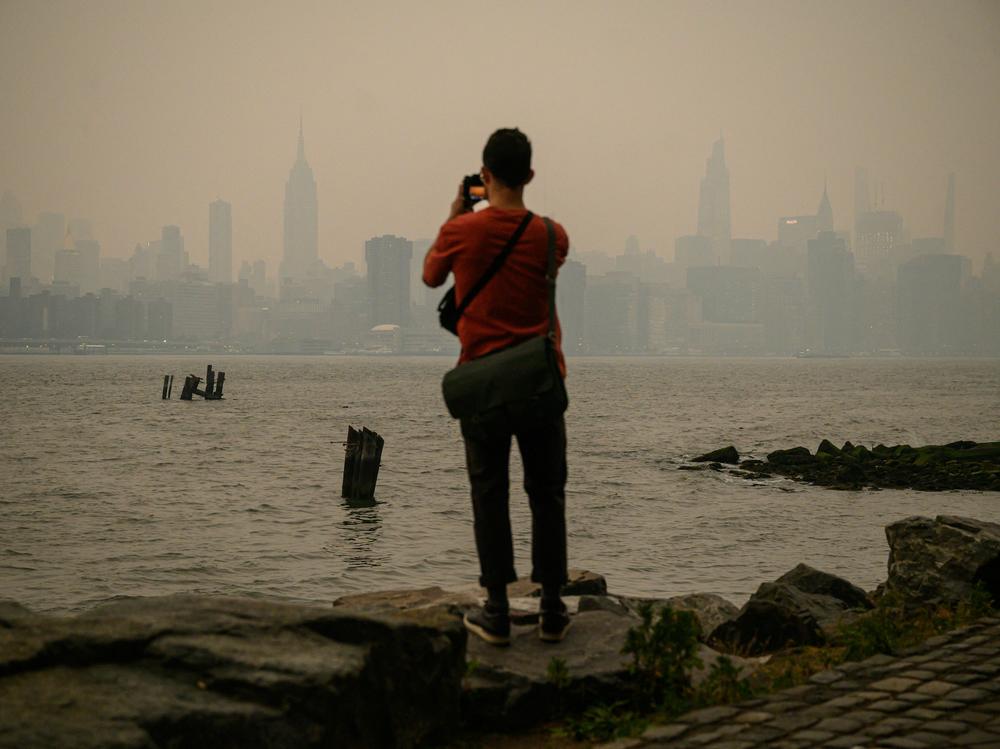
220,242
713,204
824,214
301,236
388,260
170,255
18,254
949,215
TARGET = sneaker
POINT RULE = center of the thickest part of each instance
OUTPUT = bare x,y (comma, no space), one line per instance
490,623
554,622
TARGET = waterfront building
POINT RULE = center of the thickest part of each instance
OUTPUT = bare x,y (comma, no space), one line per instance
220,242
693,250
301,218
571,301
169,259
89,251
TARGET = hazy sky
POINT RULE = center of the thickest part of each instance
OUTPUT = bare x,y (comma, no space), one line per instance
138,114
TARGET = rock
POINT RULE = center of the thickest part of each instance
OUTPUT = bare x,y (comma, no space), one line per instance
391,601
709,609
229,672
811,580
794,456
941,560
723,455
511,687
580,583
610,604
827,448
782,614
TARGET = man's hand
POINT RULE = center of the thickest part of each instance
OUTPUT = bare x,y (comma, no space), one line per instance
458,205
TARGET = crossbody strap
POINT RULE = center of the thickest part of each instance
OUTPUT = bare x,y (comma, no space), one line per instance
550,277
498,261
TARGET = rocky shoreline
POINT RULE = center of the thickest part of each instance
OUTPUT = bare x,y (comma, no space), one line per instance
395,668
957,465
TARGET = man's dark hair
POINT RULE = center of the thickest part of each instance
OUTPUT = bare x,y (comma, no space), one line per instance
507,155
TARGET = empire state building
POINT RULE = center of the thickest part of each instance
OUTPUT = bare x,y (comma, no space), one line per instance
301,224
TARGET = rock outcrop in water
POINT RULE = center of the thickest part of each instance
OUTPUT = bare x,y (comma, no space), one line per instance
958,465
199,671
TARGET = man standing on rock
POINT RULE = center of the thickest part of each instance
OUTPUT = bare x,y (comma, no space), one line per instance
511,308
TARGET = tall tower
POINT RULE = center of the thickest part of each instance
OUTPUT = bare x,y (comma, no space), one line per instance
301,243
824,214
949,216
220,242
713,205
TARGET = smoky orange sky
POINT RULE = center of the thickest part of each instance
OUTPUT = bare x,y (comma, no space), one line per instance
138,114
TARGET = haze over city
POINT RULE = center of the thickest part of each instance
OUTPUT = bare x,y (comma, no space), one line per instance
137,115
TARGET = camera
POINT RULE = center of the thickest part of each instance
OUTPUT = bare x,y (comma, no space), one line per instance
473,190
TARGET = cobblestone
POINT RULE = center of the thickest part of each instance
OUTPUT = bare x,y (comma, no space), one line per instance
943,693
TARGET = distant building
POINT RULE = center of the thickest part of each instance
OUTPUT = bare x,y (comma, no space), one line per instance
830,288
728,294
220,242
90,265
949,215
571,301
878,235
301,228
612,317
713,203
18,254
693,250
794,232
388,260
169,257
46,237
930,304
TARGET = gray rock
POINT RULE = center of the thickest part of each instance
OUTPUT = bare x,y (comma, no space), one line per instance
188,671
709,609
802,607
941,560
722,455
511,687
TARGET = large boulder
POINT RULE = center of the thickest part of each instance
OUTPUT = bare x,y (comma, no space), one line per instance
532,681
802,607
722,455
942,560
194,671
709,609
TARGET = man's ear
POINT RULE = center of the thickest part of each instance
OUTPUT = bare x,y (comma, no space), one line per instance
486,175
531,176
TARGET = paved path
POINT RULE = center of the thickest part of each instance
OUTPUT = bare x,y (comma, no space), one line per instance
944,693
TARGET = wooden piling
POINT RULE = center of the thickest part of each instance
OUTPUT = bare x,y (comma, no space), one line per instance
189,385
209,383
218,385
170,387
362,458
166,385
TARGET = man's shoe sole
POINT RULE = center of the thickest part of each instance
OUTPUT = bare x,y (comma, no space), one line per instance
554,636
485,635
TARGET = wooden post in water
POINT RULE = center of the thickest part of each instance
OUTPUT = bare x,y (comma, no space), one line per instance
209,383
218,385
166,385
352,452
362,458
170,387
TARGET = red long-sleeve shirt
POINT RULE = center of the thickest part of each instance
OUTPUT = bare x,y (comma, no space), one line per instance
514,305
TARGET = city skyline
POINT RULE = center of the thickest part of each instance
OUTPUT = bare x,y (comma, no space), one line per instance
388,142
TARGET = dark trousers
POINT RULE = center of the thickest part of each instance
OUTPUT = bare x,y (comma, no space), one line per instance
543,454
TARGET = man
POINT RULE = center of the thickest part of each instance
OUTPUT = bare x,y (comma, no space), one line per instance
513,307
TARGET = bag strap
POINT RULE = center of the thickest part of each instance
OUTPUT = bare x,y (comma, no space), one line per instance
550,277
498,261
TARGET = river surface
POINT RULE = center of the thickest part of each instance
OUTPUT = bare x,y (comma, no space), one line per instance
109,491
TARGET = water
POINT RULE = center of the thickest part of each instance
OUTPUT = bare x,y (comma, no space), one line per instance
109,491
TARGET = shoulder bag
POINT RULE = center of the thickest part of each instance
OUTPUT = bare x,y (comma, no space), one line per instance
520,381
